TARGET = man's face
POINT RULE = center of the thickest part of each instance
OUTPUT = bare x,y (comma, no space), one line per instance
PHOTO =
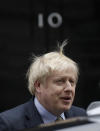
57,93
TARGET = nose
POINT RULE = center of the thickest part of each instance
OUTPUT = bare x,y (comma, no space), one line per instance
67,86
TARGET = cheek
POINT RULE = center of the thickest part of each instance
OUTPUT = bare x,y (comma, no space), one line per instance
57,92
73,92
54,91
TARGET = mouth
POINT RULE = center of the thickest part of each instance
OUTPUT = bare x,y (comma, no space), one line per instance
66,99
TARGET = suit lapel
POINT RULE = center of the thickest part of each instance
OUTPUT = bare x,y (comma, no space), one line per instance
32,117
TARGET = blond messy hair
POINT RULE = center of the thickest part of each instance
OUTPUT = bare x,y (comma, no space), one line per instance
44,65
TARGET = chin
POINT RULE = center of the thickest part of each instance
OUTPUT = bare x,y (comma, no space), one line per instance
66,107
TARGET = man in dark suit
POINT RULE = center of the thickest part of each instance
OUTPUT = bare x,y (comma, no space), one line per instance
52,81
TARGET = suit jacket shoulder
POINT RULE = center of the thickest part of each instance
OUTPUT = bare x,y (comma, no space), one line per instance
75,112
20,117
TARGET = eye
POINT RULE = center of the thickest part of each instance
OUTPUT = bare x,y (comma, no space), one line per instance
72,81
60,81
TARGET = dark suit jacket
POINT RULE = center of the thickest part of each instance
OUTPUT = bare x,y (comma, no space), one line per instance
27,116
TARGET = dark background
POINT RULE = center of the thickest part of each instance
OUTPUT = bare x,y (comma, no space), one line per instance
21,36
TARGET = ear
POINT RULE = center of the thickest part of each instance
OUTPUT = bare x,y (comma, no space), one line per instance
37,86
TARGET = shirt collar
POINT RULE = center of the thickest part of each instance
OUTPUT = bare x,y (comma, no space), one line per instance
46,116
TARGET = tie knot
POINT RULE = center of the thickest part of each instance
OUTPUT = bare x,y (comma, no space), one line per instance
59,118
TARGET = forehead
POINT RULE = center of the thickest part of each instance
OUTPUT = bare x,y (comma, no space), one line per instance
69,72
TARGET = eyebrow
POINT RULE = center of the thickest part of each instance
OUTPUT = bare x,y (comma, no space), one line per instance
63,77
